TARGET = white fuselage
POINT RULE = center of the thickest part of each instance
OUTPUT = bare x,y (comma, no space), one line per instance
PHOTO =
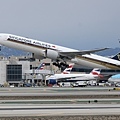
97,61
114,78
69,76
29,45
39,47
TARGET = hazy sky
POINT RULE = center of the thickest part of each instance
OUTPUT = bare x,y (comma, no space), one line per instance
80,24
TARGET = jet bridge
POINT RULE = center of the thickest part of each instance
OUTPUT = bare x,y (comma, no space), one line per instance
36,75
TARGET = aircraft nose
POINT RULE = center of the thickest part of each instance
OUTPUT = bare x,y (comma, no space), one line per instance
109,79
3,37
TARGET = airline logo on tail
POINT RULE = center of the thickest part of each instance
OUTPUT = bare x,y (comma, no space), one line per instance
96,71
116,57
68,69
41,66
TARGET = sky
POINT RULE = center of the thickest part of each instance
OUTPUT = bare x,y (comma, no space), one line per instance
78,24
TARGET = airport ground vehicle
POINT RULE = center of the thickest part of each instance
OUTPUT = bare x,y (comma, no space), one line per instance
52,81
117,85
55,85
92,82
27,85
65,84
79,84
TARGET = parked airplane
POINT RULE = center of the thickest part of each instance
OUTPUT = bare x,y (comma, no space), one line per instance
52,80
58,53
94,74
114,78
40,67
67,70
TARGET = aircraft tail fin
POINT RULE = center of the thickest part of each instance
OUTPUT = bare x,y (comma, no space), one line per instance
68,69
96,71
116,57
41,66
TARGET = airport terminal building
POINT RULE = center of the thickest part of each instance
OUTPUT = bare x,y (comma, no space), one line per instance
19,70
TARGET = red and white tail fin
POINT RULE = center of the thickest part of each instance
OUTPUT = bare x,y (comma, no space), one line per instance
41,66
68,69
96,71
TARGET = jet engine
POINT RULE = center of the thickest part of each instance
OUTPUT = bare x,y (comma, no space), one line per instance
52,54
37,56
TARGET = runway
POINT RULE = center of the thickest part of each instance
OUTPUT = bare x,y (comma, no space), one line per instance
57,91
56,102
59,110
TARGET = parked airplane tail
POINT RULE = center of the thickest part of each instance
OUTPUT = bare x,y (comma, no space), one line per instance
116,57
41,66
68,69
96,71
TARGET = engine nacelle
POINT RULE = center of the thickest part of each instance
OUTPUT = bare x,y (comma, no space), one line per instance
52,54
37,56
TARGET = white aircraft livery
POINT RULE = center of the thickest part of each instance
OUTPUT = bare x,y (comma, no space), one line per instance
93,75
60,55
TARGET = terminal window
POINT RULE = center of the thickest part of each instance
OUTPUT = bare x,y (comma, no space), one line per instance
14,72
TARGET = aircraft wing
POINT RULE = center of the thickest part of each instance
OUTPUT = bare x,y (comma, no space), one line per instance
70,77
82,52
64,78
77,78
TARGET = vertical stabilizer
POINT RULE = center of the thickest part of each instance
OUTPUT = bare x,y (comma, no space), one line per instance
116,57
68,69
41,66
96,71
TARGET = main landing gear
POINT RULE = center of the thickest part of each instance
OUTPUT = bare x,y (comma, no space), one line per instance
60,64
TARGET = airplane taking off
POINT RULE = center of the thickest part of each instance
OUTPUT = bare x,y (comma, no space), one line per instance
60,55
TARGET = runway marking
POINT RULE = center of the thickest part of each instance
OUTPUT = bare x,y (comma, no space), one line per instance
59,108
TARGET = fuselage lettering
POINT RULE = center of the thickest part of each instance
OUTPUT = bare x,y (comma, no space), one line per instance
29,41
